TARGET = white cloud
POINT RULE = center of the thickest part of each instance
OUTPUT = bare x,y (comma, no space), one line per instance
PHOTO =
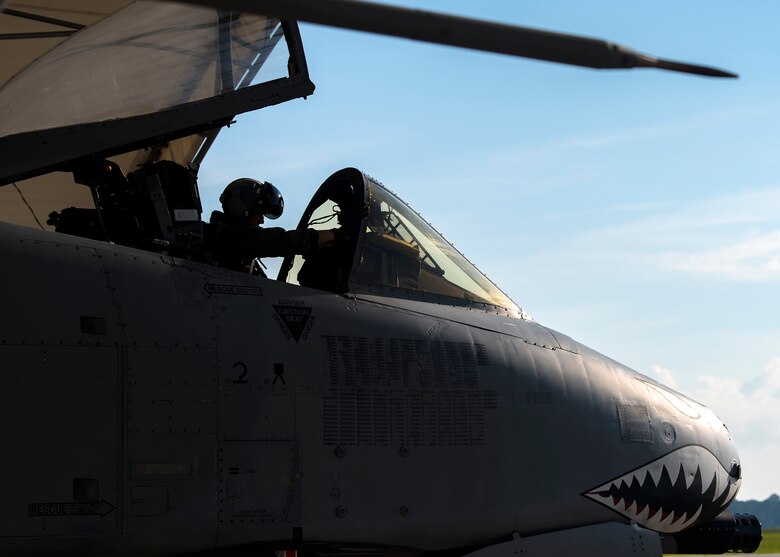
759,471
752,259
732,237
745,209
750,407
768,380
663,375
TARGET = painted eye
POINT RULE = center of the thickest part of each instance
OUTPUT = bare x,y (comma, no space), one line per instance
689,408
667,430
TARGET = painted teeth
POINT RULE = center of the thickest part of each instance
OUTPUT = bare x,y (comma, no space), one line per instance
666,521
674,473
655,472
690,477
681,487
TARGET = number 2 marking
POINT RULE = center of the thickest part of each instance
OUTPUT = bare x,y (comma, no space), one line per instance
240,379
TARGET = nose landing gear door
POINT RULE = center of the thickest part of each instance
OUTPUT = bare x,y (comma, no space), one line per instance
258,464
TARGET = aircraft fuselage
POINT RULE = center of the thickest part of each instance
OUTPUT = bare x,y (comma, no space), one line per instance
154,403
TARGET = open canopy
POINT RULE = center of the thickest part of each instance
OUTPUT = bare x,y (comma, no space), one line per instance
146,58
140,81
145,80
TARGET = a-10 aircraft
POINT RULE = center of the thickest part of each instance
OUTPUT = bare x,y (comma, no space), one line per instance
382,397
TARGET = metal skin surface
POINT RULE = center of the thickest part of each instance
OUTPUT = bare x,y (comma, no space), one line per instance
166,406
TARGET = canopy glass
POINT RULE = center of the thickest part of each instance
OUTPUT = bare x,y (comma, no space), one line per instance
385,248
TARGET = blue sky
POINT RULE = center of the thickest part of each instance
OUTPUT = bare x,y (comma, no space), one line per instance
637,211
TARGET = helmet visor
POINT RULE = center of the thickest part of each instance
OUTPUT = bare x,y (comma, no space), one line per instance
271,202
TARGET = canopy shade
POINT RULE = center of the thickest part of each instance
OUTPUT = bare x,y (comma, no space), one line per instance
30,28
135,81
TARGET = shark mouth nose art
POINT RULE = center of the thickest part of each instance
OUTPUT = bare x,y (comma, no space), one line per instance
671,493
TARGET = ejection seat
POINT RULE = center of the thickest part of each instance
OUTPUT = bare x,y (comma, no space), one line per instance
156,207
169,205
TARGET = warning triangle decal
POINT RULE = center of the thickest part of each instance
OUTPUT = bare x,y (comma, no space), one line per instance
294,318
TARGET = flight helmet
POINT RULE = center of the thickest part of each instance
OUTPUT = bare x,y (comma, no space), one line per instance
245,197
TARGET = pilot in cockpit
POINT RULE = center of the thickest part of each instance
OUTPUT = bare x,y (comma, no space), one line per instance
234,237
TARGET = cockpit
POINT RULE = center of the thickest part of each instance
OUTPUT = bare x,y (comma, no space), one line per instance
382,247
386,249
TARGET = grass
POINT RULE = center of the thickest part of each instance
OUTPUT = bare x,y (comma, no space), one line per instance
771,541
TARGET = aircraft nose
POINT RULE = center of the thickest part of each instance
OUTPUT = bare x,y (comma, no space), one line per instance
694,476
703,452
685,487
706,449
685,421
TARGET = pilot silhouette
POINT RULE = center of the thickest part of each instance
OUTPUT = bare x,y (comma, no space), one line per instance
234,237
